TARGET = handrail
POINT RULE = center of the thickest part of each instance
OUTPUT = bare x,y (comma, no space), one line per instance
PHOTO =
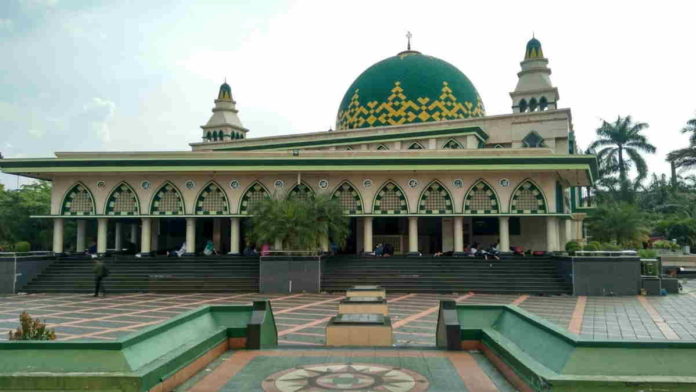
606,253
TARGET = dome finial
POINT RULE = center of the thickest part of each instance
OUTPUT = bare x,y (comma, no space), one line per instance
533,50
408,37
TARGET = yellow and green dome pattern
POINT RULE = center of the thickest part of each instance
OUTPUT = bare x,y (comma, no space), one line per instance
408,88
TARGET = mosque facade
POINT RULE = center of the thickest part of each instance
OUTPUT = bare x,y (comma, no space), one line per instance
414,160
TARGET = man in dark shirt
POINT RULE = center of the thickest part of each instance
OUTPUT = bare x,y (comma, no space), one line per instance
100,272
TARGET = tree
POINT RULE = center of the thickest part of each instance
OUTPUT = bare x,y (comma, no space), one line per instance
621,145
16,207
685,158
622,223
298,223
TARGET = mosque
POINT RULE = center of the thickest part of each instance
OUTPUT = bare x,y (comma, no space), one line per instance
415,161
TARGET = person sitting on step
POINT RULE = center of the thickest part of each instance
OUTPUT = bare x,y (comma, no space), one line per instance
209,248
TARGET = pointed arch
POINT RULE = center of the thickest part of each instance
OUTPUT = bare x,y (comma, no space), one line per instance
349,148
78,201
167,201
253,194
532,104
523,105
416,146
481,198
543,104
301,191
528,198
435,199
122,201
452,144
390,200
382,147
349,198
212,200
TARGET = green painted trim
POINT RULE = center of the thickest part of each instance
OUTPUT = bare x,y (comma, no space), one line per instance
549,358
269,145
136,362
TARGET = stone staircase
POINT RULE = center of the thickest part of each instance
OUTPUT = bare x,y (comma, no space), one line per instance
160,274
514,275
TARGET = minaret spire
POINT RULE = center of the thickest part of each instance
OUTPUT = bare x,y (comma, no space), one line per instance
408,37
534,90
224,124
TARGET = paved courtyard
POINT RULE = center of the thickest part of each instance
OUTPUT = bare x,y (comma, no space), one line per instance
301,317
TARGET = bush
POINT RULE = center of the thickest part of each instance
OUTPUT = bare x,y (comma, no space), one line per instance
610,247
647,253
664,244
593,246
572,246
6,247
22,246
31,329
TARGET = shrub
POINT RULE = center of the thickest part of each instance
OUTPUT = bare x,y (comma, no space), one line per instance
664,244
592,246
647,253
6,247
572,246
610,247
32,329
22,246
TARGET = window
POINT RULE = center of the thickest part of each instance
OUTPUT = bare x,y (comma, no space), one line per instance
212,201
533,140
435,200
122,201
349,199
523,105
390,200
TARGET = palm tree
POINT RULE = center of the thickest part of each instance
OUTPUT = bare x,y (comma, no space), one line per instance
685,158
621,145
298,223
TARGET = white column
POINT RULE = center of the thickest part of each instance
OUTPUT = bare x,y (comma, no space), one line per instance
102,226
458,234
234,236
58,235
81,236
324,243
551,234
190,235
118,236
567,233
504,233
217,233
278,244
145,236
367,233
154,234
432,144
412,234
134,233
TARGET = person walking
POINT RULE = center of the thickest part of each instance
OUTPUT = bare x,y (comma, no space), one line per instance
100,272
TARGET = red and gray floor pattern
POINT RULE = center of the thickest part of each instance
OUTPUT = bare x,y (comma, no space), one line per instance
301,318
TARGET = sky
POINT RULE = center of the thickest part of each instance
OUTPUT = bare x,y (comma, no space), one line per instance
142,75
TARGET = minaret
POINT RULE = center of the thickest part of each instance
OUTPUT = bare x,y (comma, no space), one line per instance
224,124
534,91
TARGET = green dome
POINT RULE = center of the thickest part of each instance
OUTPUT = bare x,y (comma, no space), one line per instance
408,88
533,50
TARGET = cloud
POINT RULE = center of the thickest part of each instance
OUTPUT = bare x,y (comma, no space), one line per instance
6,24
36,133
96,115
34,4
